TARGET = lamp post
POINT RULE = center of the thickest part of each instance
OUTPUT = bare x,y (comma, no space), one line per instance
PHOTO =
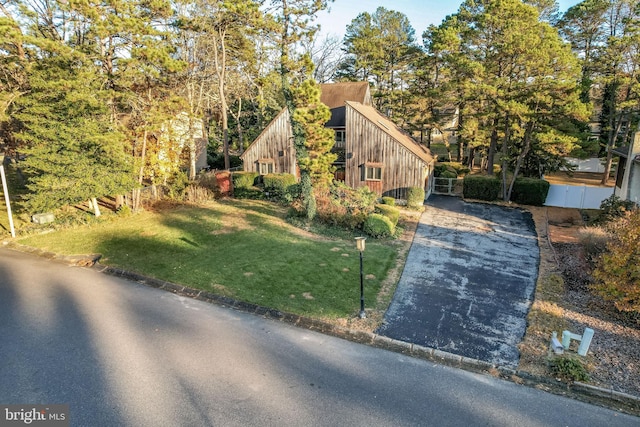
360,245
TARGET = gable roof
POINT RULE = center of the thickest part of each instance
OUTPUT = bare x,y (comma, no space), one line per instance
390,128
335,95
282,112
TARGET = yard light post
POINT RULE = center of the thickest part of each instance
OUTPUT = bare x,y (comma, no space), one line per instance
360,245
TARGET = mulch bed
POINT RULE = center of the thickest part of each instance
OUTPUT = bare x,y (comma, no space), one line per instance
614,355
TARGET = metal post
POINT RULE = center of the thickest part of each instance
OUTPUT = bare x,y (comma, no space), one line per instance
362,313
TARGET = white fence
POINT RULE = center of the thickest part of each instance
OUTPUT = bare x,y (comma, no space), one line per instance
577,196
449,186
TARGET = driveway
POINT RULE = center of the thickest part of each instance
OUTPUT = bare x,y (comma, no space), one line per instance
468,281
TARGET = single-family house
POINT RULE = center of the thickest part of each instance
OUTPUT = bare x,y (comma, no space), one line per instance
372,151
628,172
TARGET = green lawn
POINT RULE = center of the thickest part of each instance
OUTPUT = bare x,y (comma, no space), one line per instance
241,248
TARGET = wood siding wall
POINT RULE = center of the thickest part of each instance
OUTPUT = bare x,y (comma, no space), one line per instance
273,143
367,143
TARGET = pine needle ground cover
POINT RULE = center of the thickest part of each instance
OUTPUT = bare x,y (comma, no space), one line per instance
241,249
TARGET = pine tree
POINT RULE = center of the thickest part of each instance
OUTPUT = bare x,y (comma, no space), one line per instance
73,153
292,25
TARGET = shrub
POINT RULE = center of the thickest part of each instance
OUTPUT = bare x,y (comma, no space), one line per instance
244,179
389,201
614,207
593,240
345,207
617,271
208,180
176,185
530,191
481,187
248,193
124,210
197,194
415,197
390,212
281,186
222,183
569,369
378,225
450,170
448,174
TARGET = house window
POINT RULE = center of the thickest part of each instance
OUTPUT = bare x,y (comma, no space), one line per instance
266,166
340,139
373,172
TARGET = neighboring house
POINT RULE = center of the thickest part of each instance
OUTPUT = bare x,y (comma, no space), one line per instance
628,172
372,151
180,134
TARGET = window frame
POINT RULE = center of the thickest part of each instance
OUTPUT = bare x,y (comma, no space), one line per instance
373,171
269,164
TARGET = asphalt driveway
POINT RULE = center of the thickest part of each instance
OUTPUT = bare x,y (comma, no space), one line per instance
468,281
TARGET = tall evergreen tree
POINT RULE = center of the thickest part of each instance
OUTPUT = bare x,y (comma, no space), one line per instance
73,152
508,56
292,19
380,47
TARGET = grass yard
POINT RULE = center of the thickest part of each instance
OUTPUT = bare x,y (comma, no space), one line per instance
243,249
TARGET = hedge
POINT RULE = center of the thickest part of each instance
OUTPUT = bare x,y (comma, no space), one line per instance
530,191
481,187
243,179
390,212
388,200
378,225
280,185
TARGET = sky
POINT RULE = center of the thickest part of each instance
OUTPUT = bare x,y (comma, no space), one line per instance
421,13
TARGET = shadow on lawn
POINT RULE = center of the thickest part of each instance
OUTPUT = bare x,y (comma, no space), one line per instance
252,255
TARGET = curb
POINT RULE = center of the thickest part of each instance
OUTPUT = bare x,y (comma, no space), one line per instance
588,393
608,398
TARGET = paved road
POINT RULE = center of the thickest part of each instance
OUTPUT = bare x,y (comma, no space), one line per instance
468,281
122,354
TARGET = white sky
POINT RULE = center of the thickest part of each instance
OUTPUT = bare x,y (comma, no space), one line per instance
421,13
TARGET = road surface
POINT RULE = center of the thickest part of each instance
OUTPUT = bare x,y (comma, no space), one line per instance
122,354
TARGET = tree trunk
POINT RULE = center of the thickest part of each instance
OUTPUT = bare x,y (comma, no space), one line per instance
521,157
505,158
492,147
142,157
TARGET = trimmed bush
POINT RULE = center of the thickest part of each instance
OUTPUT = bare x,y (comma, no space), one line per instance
282,186
390,212
481,187
448,174
450,168
389,201
244,179
530,191
415,197
378,225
